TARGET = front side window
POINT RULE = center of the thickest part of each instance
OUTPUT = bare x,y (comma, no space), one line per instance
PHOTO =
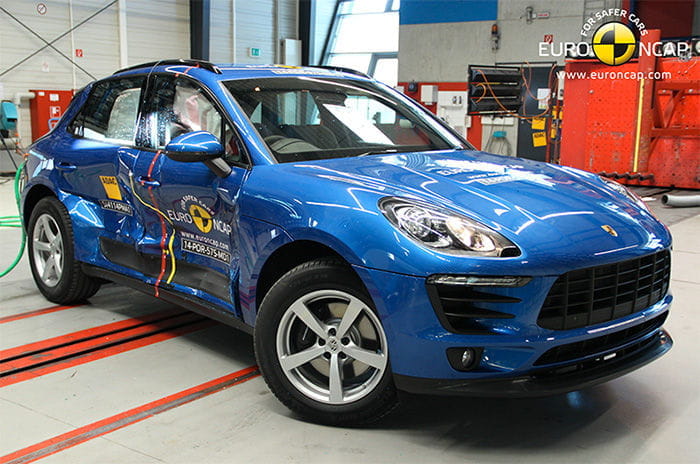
110,112
178,106
314,118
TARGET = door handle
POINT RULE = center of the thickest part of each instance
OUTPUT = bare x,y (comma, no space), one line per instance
148,182
66,167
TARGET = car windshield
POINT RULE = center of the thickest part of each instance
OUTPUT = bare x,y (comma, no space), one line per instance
311,118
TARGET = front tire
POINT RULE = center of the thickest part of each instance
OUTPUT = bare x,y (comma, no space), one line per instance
322,348
51,255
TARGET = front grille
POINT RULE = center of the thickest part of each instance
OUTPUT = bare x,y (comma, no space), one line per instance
604,293
591,346
460,307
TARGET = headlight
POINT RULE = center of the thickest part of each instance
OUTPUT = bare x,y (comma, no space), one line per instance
444,230
619,188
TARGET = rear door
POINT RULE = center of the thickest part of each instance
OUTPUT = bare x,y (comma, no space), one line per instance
196,209
88,162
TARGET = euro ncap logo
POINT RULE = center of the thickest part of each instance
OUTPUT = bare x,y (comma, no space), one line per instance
614,43
201,218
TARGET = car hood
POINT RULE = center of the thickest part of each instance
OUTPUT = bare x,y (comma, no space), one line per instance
540,207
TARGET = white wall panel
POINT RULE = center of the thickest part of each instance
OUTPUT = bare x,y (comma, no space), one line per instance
255,21
221,37
156,29
48,70
288,19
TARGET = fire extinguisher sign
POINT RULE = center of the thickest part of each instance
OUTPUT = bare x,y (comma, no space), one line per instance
55,111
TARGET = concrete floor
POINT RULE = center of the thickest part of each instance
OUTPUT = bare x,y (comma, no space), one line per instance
651,415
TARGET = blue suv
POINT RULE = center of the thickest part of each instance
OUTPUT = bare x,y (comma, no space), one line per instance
367,246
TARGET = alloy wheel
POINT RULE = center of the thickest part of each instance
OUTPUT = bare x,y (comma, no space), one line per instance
331,347
47,250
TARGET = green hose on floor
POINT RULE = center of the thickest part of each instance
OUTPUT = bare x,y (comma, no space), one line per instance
15,221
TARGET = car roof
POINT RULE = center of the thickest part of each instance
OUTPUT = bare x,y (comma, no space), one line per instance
206,71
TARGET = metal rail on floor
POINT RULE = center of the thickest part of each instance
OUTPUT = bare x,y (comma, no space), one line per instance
35,312
40,358
132,416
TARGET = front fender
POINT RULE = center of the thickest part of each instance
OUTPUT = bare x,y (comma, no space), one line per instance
258,240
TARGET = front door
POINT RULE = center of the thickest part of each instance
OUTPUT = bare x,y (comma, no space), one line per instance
189,212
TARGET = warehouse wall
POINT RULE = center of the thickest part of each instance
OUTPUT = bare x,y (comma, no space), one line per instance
258,24
442,51
155,29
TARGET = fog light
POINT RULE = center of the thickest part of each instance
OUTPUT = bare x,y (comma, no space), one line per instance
464,359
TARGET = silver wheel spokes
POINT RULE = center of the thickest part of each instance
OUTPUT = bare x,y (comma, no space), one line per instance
47,245
345,352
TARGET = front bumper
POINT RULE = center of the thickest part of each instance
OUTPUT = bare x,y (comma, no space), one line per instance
518,356
544,382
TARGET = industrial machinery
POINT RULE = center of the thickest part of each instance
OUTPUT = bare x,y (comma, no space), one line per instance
639,131
8,129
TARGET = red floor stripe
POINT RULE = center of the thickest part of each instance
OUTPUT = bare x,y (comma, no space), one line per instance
104,353
93,343
132,416
86,334
36,312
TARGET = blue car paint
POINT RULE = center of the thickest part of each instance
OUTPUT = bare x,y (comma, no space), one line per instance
197,142
552,213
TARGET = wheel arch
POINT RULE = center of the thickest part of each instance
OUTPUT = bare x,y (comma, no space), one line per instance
32,197
287,257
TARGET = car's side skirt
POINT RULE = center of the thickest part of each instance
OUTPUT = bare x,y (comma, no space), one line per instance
186,301
188,274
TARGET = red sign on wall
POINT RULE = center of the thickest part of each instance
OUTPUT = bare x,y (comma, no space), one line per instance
79,52
549,38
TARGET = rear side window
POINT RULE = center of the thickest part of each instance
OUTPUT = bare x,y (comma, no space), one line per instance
110,112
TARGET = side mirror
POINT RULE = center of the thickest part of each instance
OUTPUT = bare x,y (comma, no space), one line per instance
194,146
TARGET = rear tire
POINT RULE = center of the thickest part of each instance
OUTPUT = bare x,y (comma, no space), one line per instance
51,255
321,347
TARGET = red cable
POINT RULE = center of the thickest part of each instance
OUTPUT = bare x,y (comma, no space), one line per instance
153,163
186,70
163,228
163,237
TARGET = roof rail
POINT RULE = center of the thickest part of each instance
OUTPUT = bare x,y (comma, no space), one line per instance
343,69
195,63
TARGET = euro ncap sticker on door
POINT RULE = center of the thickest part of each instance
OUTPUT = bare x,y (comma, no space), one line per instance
194,211
114,196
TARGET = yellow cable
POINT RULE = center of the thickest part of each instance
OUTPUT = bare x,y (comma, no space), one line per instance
638,135
172,237
172,258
